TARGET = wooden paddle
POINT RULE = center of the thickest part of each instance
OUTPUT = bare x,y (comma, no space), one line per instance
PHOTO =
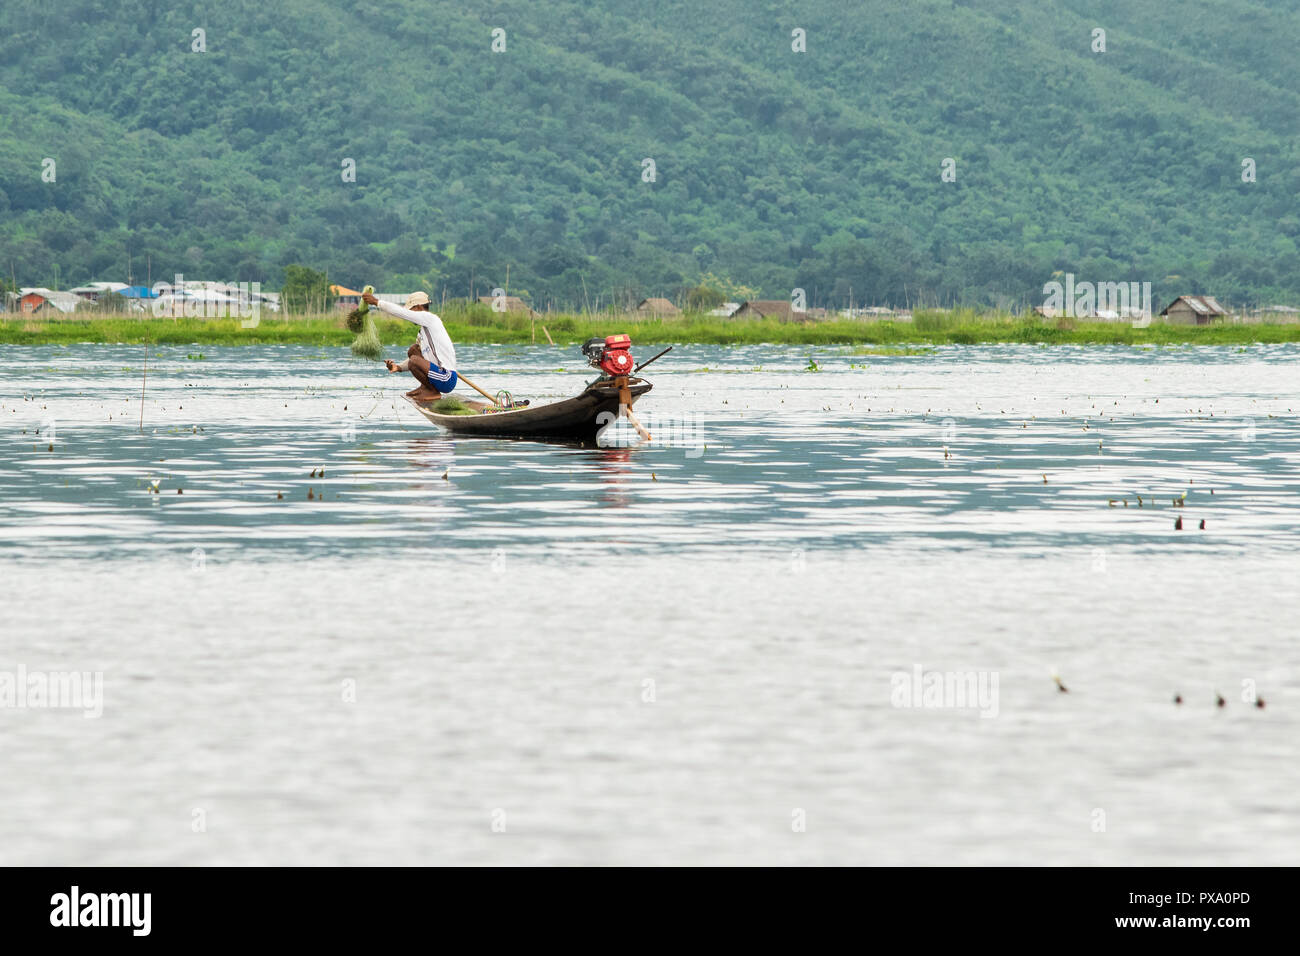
625,405
490,398
627,410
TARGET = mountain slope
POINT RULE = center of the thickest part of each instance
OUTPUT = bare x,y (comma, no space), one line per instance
772,168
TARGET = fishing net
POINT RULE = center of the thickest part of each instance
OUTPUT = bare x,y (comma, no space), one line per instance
367,344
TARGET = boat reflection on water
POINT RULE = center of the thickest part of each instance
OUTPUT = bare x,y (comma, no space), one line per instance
434,454
431,460
614,465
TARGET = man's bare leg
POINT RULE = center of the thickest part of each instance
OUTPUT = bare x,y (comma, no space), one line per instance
413,353
420,369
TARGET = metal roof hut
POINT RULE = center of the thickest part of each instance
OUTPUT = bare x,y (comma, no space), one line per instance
39,299
91,291
1194,310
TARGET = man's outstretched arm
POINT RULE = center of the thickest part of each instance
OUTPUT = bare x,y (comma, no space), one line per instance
410,315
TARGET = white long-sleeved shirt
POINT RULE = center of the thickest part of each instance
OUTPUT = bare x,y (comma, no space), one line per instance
435,343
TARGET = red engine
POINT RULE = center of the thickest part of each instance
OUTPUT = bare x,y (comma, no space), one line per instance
611,356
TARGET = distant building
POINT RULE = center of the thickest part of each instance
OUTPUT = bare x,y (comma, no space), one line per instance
1104,315
1194,310
1277,313
348,299
137,296
877,313
726,310
39,299
204,302
658,307
91,291
780,309
508,303
1096,315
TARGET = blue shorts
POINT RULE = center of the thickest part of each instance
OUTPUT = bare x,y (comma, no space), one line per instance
440,379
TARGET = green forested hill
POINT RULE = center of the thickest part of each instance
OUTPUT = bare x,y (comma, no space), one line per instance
774,169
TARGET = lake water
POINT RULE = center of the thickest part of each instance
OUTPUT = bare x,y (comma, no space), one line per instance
822,622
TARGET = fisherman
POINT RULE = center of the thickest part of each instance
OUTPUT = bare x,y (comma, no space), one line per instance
432,359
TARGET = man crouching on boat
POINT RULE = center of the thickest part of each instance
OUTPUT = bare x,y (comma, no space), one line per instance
432,359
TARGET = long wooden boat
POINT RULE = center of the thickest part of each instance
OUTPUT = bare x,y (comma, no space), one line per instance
576,419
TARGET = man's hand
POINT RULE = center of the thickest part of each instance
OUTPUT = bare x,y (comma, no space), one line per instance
369,299
392,366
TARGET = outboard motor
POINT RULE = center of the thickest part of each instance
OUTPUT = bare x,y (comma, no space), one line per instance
610,354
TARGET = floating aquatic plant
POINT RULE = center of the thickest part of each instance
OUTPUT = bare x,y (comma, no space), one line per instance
448,405
367,344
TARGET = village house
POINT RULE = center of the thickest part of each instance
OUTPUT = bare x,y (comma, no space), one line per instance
136,296
348,299
511,303
39,299
206,303
780,309
726,310
204,297
659,307
91,291
1194,310
1276,314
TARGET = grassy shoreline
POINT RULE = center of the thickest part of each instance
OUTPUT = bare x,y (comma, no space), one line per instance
959,328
